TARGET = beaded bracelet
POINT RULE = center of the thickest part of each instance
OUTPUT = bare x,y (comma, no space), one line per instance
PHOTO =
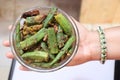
103,45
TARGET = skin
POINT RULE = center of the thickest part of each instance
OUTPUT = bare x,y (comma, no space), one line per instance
89,47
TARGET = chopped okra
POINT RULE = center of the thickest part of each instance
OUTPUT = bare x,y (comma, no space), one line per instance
45,40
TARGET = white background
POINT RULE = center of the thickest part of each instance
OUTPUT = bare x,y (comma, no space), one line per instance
87,71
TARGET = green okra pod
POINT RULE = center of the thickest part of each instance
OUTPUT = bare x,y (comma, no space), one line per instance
18,36
49,16
33,39
45,48
64,23
30,21
64,49
18,39
60,37
52,41
36,55
35,19
71,50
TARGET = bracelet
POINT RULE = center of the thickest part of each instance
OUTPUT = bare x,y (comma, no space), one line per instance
103,45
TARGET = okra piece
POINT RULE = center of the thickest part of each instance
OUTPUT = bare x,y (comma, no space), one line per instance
64,23
45,48
71,50
49,16
27,36
64,49
18,36
18,39
60,37
36,55
30,21
31,13
52,41
33,39
35,20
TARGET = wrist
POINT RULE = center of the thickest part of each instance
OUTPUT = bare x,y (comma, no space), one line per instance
94,45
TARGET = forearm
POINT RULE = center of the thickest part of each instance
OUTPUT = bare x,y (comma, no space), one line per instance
113,44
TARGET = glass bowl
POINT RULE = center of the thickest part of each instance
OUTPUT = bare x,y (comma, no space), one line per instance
44,10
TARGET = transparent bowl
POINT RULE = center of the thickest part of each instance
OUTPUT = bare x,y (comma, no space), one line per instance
44,10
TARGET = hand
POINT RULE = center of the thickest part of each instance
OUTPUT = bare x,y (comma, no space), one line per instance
84,53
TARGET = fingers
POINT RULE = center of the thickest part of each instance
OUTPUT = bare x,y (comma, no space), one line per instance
6,43
10,27
10,55
23,68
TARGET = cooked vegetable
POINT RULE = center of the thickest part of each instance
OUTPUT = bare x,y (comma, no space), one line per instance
44,40
33,39
60,37
45,48
35,19
71,50
31,13
64,49
18,39
64,23
36,55
30,30
49,16
52,41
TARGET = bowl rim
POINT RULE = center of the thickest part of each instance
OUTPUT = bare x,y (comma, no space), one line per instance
76,32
